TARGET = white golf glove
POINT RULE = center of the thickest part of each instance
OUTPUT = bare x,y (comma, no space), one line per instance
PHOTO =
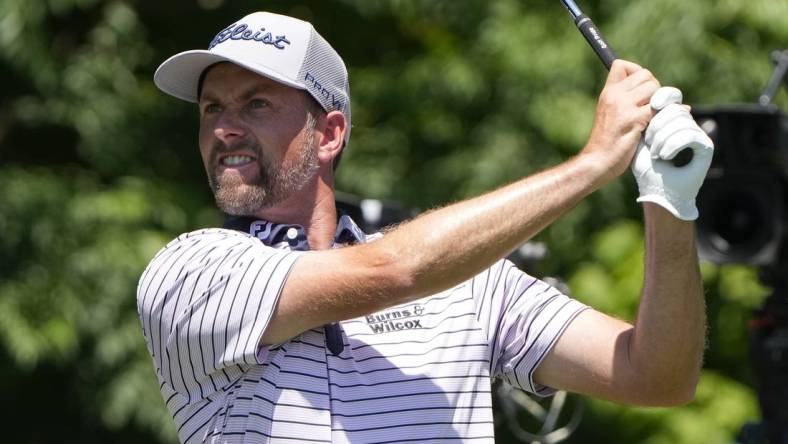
670,131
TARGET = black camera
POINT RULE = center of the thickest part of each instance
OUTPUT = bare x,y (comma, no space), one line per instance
741,203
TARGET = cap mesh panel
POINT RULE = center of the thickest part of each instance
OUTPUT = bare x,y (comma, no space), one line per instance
325,77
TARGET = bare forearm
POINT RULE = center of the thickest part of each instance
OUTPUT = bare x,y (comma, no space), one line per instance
666,345
460,240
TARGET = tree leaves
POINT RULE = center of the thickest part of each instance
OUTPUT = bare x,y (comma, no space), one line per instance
98,169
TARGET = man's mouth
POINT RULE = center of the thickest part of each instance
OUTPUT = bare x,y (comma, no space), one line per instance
235,161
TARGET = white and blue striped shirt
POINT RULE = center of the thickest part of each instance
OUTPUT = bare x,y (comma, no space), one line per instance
418,372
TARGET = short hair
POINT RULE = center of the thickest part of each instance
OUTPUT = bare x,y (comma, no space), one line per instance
314,108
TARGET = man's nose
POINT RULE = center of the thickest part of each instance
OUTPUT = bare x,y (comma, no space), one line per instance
228,128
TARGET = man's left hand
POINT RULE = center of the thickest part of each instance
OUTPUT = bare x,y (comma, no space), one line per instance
672,130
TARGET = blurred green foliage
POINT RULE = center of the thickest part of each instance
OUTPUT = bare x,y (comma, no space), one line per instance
98,170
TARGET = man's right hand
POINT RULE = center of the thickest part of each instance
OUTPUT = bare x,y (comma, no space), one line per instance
622,114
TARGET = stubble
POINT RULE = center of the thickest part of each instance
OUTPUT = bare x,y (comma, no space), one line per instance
275,182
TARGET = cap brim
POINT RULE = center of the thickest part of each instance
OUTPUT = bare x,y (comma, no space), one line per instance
180,74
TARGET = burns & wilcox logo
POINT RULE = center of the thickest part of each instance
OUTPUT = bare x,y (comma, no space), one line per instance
395,320
241,31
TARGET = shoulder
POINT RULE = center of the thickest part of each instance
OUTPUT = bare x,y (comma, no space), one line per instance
204,255
210,235
205,247
216,238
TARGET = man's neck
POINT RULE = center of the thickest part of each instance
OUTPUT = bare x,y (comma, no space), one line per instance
315,211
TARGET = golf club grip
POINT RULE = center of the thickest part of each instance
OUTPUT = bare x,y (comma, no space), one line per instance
608,56
595,39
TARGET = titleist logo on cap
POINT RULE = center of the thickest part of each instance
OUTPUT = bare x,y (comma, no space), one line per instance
241,31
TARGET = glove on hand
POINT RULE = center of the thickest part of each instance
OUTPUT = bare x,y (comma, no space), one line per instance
669,132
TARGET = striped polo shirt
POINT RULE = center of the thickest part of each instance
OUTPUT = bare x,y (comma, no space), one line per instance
417,372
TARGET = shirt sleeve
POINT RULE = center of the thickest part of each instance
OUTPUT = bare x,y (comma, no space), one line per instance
205,301
523,317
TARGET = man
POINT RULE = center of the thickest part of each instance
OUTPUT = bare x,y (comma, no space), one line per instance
395,338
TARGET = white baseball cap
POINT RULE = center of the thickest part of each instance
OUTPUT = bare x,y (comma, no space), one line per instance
282,48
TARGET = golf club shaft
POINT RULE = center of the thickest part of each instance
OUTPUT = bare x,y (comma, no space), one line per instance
607,55
591,34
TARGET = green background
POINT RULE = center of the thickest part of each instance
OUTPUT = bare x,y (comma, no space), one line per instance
98,170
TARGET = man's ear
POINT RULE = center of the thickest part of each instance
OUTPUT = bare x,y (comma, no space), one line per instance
331,137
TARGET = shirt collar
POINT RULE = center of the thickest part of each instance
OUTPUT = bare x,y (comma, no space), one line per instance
292,236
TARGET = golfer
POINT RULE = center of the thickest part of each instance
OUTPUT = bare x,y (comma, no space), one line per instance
291,325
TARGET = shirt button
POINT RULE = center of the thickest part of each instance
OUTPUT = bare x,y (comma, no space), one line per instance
292,233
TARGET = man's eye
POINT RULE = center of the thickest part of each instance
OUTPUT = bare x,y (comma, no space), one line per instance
257,104
212,108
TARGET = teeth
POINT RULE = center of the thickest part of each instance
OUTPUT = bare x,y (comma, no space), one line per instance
236,160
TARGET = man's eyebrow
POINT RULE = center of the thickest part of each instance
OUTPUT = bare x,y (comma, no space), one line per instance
256,90
206,97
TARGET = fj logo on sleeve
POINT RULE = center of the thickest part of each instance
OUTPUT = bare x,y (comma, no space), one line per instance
395,320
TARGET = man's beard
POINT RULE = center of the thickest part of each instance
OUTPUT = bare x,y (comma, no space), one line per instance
273,184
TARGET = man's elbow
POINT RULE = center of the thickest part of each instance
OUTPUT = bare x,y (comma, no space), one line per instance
667,392
680,395
394,272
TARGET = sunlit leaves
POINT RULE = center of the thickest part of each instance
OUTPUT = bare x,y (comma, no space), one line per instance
611,279
450,99
73,250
